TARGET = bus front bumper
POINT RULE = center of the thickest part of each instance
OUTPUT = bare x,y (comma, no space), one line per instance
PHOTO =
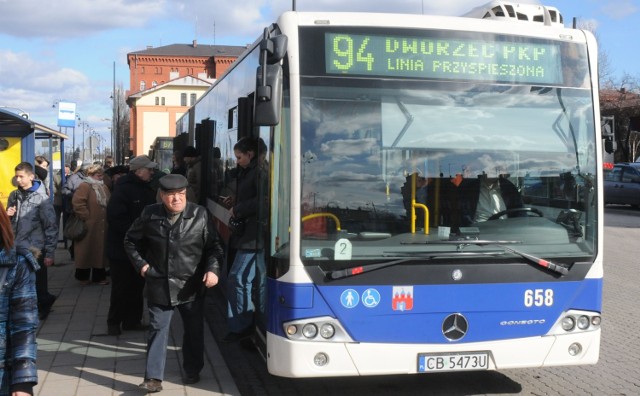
300,359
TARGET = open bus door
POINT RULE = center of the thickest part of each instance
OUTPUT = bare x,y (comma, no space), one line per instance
205,136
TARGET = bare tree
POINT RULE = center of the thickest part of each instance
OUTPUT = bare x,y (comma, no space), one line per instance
634,145
605,70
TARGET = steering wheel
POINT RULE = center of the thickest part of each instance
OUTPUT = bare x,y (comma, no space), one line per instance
514,210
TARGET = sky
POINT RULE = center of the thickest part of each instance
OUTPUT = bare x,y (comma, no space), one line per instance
67,50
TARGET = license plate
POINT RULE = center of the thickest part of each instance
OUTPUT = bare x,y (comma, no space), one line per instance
437,362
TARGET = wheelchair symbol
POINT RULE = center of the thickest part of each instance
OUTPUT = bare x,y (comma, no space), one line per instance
370,298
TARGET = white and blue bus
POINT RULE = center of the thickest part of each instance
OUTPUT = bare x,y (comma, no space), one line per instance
433,200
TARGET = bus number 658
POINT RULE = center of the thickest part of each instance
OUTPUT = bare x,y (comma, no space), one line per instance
538,297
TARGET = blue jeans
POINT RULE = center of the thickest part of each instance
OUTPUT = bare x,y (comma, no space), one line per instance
247,270
192,341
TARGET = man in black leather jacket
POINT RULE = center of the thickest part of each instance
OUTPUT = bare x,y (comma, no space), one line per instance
175,248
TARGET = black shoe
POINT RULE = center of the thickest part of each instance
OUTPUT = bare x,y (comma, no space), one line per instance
191,379
113,330
44,308
235,337
151,385
135,327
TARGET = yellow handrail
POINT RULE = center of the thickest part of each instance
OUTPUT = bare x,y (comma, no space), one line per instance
415,205
323,214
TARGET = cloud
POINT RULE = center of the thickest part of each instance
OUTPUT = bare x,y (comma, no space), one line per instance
74,18
248,18
619,9
32,83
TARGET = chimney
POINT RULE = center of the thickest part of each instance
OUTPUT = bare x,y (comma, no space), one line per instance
195,43
149,46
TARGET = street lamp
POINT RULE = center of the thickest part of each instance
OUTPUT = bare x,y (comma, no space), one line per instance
85,126
100,143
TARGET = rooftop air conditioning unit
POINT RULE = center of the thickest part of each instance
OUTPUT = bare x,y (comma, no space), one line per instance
519,12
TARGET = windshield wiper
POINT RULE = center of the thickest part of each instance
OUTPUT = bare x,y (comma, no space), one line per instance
410,256
557,268
347,272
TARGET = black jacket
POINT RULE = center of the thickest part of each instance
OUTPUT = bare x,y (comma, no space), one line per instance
178,254
247,204
129,197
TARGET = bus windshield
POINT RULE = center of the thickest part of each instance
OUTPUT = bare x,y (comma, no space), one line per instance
489,162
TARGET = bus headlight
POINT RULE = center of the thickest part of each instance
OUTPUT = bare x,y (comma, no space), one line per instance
576,321
327,331
575,349
583,322
568,323
321,359
310,330
292,329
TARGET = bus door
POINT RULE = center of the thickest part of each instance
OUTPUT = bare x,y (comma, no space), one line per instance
205,138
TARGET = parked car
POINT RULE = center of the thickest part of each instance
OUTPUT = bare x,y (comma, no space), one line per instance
622,184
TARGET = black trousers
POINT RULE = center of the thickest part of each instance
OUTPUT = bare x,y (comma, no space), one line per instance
126,294
42,283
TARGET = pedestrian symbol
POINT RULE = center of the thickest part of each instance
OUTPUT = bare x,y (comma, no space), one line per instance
349,298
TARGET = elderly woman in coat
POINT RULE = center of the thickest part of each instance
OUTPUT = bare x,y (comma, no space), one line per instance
90,204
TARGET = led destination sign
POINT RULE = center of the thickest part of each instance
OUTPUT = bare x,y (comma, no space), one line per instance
442,58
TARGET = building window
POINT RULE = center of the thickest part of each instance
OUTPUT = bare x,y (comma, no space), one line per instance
193,99
158,70
143,85
157,101
183,99
162,100
154,84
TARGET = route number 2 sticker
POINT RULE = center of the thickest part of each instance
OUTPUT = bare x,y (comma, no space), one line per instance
342,249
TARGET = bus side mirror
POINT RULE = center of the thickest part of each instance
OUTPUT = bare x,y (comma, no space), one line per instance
269,80
275,47
268,95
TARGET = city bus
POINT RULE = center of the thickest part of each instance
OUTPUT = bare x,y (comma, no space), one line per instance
161,152
432,193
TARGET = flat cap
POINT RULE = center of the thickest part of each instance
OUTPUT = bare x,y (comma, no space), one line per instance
173,182
141,161
118,169
190,151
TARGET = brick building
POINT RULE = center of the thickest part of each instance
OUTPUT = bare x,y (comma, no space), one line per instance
159,73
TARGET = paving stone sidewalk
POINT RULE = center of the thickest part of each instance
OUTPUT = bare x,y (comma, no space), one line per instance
77,357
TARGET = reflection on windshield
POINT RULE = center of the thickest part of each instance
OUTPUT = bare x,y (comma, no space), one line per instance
468,161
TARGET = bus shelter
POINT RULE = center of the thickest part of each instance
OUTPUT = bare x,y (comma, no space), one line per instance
21,140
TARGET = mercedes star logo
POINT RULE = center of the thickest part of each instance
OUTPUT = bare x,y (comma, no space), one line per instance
454,327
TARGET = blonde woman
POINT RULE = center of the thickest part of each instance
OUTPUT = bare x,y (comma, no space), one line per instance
90,204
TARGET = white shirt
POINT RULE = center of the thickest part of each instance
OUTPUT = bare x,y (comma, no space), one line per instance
490,200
